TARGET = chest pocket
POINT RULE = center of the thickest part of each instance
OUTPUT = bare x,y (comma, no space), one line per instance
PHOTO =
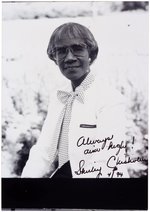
91,126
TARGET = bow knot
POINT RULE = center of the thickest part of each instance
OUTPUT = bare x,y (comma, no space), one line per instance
64,96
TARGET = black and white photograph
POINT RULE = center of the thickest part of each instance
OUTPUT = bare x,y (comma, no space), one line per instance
75,105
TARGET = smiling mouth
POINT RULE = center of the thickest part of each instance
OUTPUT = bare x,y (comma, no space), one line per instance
69,67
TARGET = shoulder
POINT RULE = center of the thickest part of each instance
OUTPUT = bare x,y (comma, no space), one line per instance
106,94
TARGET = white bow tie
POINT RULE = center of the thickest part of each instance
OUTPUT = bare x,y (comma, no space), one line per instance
63,96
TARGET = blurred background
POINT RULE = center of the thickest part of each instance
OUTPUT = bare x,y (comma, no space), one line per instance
29,77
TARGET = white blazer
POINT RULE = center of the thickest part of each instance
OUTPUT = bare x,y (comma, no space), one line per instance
96,136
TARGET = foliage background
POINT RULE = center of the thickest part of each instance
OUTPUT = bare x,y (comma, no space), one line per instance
29,77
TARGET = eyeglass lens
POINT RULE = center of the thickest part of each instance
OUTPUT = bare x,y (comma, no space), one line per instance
76,49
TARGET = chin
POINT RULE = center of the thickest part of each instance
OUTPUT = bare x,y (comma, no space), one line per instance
72,78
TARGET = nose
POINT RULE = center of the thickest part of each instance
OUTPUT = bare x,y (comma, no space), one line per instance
70,57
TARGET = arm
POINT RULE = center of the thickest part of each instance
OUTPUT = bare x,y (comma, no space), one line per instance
39,163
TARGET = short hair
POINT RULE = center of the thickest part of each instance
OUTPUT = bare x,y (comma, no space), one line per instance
73,30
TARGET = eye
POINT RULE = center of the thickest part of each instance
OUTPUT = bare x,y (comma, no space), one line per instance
61,50
78,48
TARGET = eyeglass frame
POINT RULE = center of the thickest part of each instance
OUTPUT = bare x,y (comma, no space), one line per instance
77,54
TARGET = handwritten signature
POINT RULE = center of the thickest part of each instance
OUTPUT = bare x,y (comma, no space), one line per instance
110,146
82,170
111,163
115,161
87,141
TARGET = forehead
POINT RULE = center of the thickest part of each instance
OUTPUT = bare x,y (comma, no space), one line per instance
67,41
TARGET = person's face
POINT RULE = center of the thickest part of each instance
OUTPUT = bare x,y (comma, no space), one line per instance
72,57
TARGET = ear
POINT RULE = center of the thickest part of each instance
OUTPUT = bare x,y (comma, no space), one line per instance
56,62
89,61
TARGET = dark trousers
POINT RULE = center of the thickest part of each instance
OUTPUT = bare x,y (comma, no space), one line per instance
63,172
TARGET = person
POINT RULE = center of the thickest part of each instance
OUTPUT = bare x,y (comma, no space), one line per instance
83,135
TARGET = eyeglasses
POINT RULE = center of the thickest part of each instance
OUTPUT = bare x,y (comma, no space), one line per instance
77,50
